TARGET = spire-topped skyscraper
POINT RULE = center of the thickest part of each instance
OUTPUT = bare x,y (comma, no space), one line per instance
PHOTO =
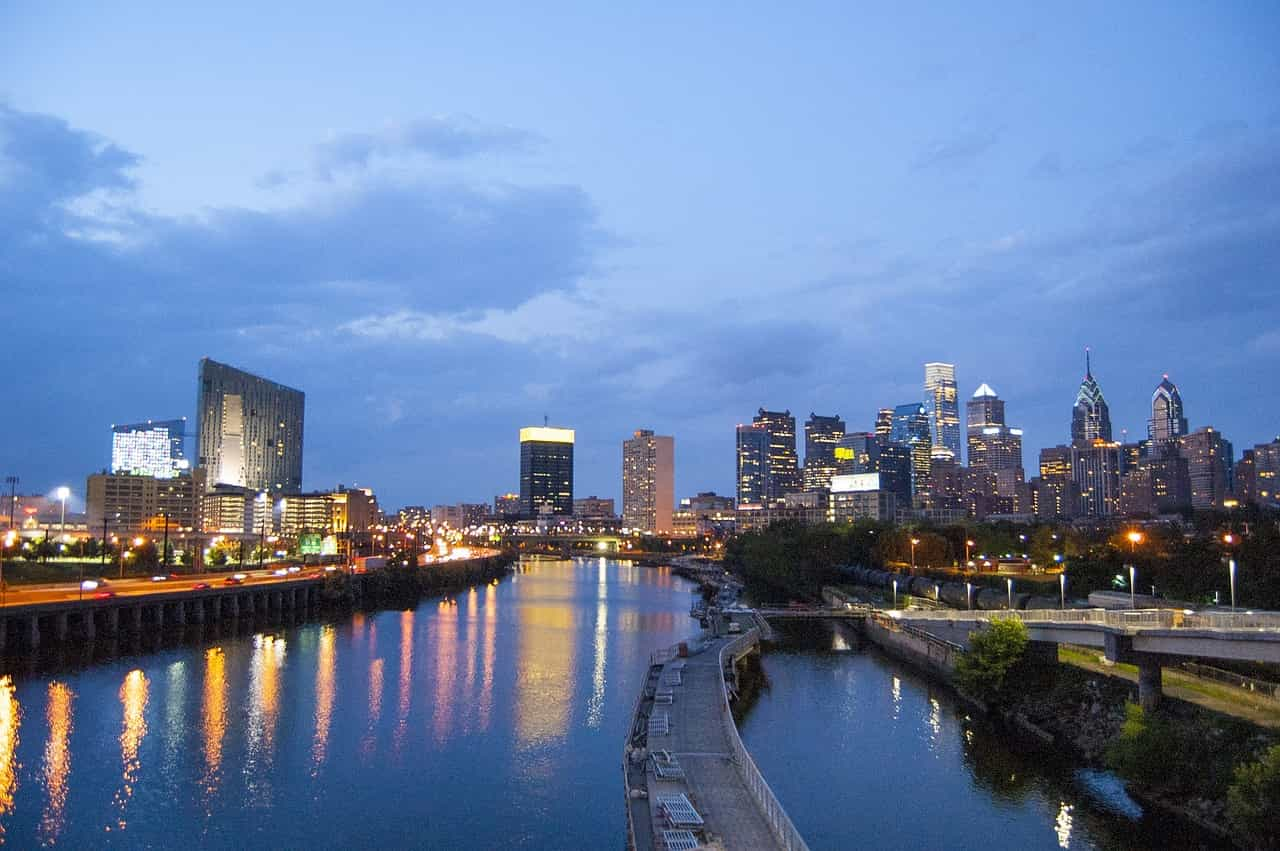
1090,418
1167,421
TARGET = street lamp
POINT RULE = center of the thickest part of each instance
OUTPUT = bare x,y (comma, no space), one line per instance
62,493
895,594
1062,586
914,541
1132,574
968,594
968,545
1135,538
1009,582
1230,539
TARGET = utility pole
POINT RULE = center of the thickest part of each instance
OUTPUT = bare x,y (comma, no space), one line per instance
12,482
164,551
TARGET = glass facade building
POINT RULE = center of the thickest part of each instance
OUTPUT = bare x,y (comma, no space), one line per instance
943,406
782,462
546,471
154,448
249,430
821,436
1090,417
911,429
1167,421
753,464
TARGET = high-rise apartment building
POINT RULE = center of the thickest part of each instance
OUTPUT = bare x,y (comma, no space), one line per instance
1056,494
753,464
1095,472
821,435
1090,416
154,448
594,508
1210,467
131,504
1258,475
507,505
1167,421
546,471
648,481
249,430
783,464
943,407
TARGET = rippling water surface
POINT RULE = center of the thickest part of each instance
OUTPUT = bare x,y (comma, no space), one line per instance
497,722
863,752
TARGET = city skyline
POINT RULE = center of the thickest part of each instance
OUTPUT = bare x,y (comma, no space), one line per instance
820,218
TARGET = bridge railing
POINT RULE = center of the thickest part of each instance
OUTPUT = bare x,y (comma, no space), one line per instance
779,822
1122,618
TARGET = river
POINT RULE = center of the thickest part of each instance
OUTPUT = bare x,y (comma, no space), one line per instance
495,720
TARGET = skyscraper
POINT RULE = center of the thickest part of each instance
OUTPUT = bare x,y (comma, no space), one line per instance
1167,421
546,471
858,452
753,464
1095,471
821,434
154,448
648,481
1090,418
783,465
993,445
911,428
943,407
884,423
249,430
1210,467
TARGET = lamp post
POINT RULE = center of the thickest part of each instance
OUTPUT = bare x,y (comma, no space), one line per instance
1133,571
1230,539
262,527
1135,538
968,594
63,492
968,545
914,541
1009,583
1062,587
895,594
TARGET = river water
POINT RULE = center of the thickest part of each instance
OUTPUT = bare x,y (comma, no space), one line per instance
492,721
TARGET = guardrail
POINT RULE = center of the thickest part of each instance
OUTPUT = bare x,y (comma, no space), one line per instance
1240,681
776,817
1121,618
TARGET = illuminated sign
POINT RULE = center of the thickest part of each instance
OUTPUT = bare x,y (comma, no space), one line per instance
855,482
544,434
844,453
309,544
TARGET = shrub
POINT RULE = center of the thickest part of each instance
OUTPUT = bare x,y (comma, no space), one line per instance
993,653
1253,800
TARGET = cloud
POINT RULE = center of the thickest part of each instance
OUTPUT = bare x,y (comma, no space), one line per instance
444,137
957,150
1048,167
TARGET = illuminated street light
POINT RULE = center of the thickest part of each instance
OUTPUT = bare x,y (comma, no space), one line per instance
1133,572
1062,585
1009,582
914,541
968,545
62,494
895,594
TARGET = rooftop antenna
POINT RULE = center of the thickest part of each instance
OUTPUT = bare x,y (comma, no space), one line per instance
1088,370
546,420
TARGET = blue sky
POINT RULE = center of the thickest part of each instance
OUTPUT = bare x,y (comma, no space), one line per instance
445,224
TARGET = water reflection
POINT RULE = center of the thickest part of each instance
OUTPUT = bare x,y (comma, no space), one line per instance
935,723
264,711
446,672
10,719
57,761
544,682
600,646
406,679
133,700
175,722
326,665
471,648
213,714
1062,825
897,698
485,704
375,707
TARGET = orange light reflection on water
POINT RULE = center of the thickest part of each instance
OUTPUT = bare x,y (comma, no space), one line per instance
10,720
133,700
326,667
57,761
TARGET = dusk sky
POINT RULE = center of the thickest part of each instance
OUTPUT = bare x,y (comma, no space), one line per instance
444,225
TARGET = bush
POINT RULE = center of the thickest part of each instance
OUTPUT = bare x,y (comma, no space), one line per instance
1142,751
993,654
1253,800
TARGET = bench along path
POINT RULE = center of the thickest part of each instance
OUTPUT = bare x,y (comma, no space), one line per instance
699,744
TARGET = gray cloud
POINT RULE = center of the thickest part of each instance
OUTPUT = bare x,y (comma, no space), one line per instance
964,147
446,137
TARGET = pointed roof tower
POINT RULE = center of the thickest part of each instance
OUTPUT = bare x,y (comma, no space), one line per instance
1090,418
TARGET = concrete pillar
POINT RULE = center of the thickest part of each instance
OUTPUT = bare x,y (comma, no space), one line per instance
113,621
232,603
4,633
180,613
135,619
216,604
89,625
33,632
60,626
197,610
248,603
159,616
1149,686
273,600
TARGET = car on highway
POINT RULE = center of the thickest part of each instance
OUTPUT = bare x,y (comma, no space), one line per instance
201,586
103,594
159,577
235,579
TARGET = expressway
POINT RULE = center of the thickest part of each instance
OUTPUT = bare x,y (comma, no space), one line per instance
106,588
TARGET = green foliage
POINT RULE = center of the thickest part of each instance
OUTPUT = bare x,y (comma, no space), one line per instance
790,559
1253,800
1142,750
994,653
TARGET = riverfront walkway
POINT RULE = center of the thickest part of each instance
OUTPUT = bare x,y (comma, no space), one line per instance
690,747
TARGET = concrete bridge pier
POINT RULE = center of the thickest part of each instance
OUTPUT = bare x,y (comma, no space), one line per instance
233,605
135,619
60,626
180,614
276,601
159,610
32,628
89,627
1149,681
215,605
248,603
112,621
4,633
197,611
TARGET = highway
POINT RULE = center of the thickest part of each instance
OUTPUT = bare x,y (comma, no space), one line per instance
26,595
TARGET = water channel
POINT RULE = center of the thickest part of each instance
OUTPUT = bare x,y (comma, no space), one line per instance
493,720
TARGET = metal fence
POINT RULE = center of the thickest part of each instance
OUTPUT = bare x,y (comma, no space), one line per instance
1249,684
779,822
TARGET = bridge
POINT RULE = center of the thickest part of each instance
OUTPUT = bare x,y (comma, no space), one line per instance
690,781
1147,638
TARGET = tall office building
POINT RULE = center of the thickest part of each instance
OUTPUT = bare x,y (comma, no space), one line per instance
821,435
993,445
782,462
1090,417
884,423
1057,495
1167,421
154,448
1257,475
648,482
895,466
546,471
249,430
911,428
857,453
130,504
943,406
1095,472
1210,467
753,464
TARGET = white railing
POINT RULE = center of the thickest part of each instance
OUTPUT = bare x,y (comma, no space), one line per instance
776,817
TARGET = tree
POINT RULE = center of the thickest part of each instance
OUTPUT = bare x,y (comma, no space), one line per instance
993,653
1253,800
